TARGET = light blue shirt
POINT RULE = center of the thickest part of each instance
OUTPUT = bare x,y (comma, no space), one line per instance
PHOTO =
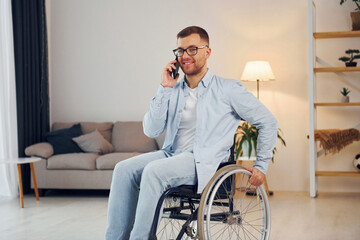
221,105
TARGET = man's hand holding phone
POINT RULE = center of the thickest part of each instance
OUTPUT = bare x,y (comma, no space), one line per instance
167,79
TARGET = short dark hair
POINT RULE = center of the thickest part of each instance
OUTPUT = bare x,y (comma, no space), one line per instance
194,29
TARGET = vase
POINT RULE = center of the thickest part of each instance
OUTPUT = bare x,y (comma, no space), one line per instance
355,19
345,99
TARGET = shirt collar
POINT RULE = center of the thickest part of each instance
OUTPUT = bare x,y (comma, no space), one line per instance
205,81
207,78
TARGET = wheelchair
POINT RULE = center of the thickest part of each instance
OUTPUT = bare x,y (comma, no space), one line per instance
224,210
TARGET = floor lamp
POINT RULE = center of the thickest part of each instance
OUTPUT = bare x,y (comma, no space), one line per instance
258,71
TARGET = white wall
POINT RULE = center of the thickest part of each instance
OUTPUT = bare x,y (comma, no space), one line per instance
106,59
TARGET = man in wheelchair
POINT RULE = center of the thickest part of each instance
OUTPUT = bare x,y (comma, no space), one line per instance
200,113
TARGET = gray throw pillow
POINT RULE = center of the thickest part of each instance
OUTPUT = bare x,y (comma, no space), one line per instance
94,142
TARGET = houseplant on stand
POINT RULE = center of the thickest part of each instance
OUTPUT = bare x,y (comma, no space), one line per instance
246,144
355,16
349,61
246,140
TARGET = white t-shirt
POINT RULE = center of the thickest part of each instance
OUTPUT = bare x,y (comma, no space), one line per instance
184,139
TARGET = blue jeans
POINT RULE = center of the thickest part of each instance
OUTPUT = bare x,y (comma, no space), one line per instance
136,187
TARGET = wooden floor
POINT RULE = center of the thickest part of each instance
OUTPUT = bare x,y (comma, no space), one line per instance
74,215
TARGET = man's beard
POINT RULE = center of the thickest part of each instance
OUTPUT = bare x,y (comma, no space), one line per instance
196,71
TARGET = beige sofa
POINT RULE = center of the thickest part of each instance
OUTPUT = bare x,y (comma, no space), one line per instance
87,170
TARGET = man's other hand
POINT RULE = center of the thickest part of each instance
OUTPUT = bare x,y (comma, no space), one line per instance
257,177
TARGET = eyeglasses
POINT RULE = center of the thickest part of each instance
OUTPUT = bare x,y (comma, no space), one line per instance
191,51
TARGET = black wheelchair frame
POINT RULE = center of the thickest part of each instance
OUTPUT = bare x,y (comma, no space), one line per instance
224,196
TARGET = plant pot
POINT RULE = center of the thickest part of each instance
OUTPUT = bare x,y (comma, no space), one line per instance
355,19
345,99
350,64
245,148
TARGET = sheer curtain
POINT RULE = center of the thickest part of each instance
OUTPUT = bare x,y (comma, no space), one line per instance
8,119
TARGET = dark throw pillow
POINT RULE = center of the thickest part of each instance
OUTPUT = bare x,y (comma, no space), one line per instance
61,140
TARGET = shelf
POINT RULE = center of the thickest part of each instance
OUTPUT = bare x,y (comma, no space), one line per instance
337,69
315,67
346,34
337,104
336,174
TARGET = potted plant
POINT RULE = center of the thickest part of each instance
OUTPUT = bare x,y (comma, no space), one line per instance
349,61
345,92
246,140
355,16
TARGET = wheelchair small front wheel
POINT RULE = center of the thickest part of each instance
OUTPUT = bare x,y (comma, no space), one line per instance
175,213
227,212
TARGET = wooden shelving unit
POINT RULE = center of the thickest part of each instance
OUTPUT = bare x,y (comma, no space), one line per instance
313,105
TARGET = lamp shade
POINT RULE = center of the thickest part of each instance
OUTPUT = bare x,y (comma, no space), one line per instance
257,70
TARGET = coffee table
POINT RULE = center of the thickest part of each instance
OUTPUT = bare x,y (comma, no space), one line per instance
20,161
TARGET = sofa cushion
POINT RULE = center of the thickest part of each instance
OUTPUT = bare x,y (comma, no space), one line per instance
43,150
84,161
130,137
94,142
61,140
105,128
109,161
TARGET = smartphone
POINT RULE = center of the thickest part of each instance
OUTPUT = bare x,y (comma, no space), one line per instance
175,71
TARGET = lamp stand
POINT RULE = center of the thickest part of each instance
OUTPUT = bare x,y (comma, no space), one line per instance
257,84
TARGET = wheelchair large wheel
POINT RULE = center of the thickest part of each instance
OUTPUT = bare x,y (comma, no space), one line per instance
226,211
175,214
